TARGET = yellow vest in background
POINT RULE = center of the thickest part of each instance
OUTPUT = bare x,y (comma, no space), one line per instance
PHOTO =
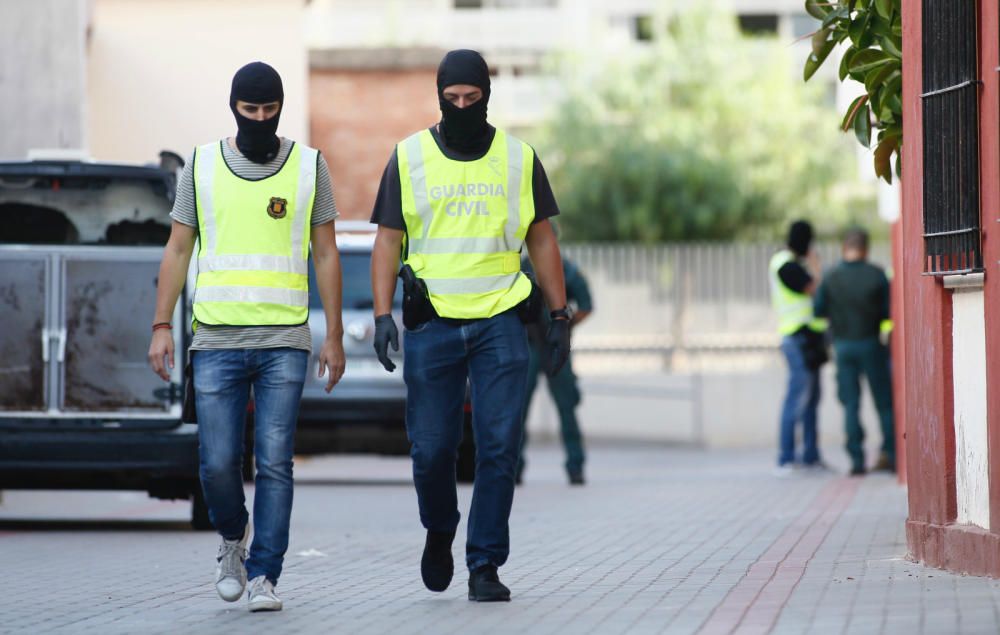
466,222
795,310
253,240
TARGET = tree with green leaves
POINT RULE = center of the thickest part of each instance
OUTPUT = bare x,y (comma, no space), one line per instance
704,134
873,57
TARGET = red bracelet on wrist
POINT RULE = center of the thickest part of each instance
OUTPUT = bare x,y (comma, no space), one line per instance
163,325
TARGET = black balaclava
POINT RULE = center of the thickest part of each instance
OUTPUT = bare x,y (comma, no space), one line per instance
800,236
257,83
464,129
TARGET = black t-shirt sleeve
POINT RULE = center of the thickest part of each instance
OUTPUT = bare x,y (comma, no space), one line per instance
545,200
388,210
794,276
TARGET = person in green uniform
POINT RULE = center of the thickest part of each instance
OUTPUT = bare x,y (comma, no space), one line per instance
563,385
855,296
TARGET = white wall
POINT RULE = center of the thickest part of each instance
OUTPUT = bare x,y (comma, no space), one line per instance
159,71
740,405
41,75
972,481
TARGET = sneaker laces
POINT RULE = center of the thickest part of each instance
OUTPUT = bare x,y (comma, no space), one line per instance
231,558
261,586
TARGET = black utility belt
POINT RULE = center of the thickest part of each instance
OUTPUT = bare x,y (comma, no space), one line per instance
418,309
464,321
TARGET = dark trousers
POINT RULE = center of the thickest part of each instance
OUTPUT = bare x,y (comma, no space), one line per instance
566,395
441,357
870,358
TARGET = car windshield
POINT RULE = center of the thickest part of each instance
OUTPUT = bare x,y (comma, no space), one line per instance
357,282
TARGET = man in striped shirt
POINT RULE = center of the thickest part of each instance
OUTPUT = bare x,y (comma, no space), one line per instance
255,201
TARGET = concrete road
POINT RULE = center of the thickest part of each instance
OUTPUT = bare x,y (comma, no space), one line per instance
661,540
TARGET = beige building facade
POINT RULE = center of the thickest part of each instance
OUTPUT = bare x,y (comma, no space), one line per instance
158,72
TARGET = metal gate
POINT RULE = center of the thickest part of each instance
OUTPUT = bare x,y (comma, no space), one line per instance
76,334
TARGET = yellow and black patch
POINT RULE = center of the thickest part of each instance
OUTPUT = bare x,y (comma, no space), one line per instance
277,208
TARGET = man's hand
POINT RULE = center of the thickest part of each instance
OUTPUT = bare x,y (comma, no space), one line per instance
331,358
812,259
386,334
556,346
162,346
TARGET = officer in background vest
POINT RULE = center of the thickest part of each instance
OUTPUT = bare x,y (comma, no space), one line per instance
255,202
456,204
794,276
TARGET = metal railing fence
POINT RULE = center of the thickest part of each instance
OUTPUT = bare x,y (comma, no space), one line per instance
691,297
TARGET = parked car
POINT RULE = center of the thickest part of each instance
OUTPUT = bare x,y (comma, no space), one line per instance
80,246
366,410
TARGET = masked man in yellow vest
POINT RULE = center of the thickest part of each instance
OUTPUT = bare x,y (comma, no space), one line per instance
794,275
255,202
456,204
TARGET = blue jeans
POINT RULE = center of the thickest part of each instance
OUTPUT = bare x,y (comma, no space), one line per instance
801,402
491,355
222,381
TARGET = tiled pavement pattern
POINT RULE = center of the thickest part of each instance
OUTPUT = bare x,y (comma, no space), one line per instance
661,540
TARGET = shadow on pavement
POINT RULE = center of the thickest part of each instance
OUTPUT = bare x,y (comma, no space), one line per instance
321,482
30,524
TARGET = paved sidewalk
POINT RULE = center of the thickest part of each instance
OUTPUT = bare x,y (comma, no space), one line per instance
661,540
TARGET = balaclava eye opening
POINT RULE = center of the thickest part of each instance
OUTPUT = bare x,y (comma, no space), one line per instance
464,129
800,236
257,83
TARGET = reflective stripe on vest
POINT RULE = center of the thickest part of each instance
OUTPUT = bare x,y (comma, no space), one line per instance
795,310
466,222
253,240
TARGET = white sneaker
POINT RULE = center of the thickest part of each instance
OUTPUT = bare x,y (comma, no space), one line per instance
784,471
262,595
819,467
231,573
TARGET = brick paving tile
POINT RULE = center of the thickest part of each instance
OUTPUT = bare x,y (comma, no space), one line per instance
661,540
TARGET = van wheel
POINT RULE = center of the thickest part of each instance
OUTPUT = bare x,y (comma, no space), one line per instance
199,510
465,470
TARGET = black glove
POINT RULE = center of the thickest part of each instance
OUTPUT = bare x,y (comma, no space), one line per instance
386,334
556,346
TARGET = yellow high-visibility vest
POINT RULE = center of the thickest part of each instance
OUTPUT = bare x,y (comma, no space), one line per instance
466,222
253,240
794,309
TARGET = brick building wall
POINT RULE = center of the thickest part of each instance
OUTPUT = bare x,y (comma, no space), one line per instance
361,104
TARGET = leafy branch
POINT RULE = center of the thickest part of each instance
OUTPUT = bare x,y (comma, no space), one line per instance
874,58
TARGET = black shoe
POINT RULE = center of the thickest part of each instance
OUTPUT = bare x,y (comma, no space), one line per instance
485,586
576,477
437,566
884,464
857,470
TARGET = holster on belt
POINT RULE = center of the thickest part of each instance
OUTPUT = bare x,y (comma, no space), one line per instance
417,307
